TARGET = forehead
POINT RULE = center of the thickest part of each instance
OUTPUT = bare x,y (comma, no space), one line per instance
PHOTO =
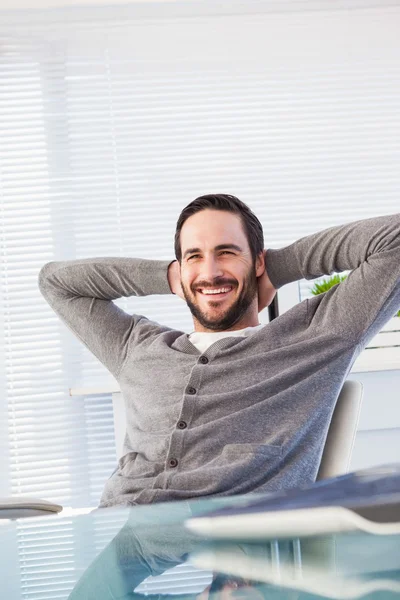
210,227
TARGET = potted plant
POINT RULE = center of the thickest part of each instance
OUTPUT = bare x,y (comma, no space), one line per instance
389,335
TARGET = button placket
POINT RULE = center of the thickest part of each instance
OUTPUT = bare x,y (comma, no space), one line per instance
188,409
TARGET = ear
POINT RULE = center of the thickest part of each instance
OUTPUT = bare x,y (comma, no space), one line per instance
260,263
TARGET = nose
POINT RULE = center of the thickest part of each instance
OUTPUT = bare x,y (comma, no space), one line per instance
211,269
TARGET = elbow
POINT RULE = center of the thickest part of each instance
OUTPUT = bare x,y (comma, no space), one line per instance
45,272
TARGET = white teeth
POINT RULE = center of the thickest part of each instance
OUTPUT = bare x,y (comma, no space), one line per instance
220,291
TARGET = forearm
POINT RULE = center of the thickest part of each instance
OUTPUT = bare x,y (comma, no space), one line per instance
105,278
336,249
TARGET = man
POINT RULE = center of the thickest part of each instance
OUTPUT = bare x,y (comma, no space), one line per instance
236,406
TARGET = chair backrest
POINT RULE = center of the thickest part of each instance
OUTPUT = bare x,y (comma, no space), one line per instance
341,435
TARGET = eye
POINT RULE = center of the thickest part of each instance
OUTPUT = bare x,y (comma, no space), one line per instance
223,252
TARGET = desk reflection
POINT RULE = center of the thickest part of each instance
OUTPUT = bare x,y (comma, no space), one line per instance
154,540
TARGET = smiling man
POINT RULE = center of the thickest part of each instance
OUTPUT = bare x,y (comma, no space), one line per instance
236,406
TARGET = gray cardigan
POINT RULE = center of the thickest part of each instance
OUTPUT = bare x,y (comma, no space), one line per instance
251,413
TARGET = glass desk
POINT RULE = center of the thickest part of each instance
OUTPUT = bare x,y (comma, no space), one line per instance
146,552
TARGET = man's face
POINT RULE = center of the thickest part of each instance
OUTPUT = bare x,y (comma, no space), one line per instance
210,262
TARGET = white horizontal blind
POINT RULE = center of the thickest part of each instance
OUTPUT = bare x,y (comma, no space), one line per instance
48,555
182,579
109,127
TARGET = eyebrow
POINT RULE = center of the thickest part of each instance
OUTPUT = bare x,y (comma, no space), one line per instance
219,247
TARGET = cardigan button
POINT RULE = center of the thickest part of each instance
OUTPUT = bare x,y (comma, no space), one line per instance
191,390
204,360
173,462
182,425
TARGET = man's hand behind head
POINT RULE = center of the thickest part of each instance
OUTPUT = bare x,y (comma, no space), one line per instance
266,291
174,279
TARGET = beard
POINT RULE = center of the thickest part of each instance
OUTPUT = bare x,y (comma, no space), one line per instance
224,318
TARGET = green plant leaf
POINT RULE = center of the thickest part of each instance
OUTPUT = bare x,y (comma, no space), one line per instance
323,286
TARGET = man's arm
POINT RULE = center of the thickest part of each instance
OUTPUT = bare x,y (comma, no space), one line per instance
369,297
81,293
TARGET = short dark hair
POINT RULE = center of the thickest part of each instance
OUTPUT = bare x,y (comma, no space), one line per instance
251,225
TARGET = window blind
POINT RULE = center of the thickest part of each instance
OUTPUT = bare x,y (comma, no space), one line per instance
110,125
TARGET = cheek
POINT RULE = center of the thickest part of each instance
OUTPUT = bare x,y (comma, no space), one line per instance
187,282
188,278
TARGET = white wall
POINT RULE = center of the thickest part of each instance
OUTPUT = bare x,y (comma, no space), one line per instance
223,6
44,4
378,437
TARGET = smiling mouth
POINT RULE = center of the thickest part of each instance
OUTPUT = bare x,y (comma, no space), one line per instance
215,296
